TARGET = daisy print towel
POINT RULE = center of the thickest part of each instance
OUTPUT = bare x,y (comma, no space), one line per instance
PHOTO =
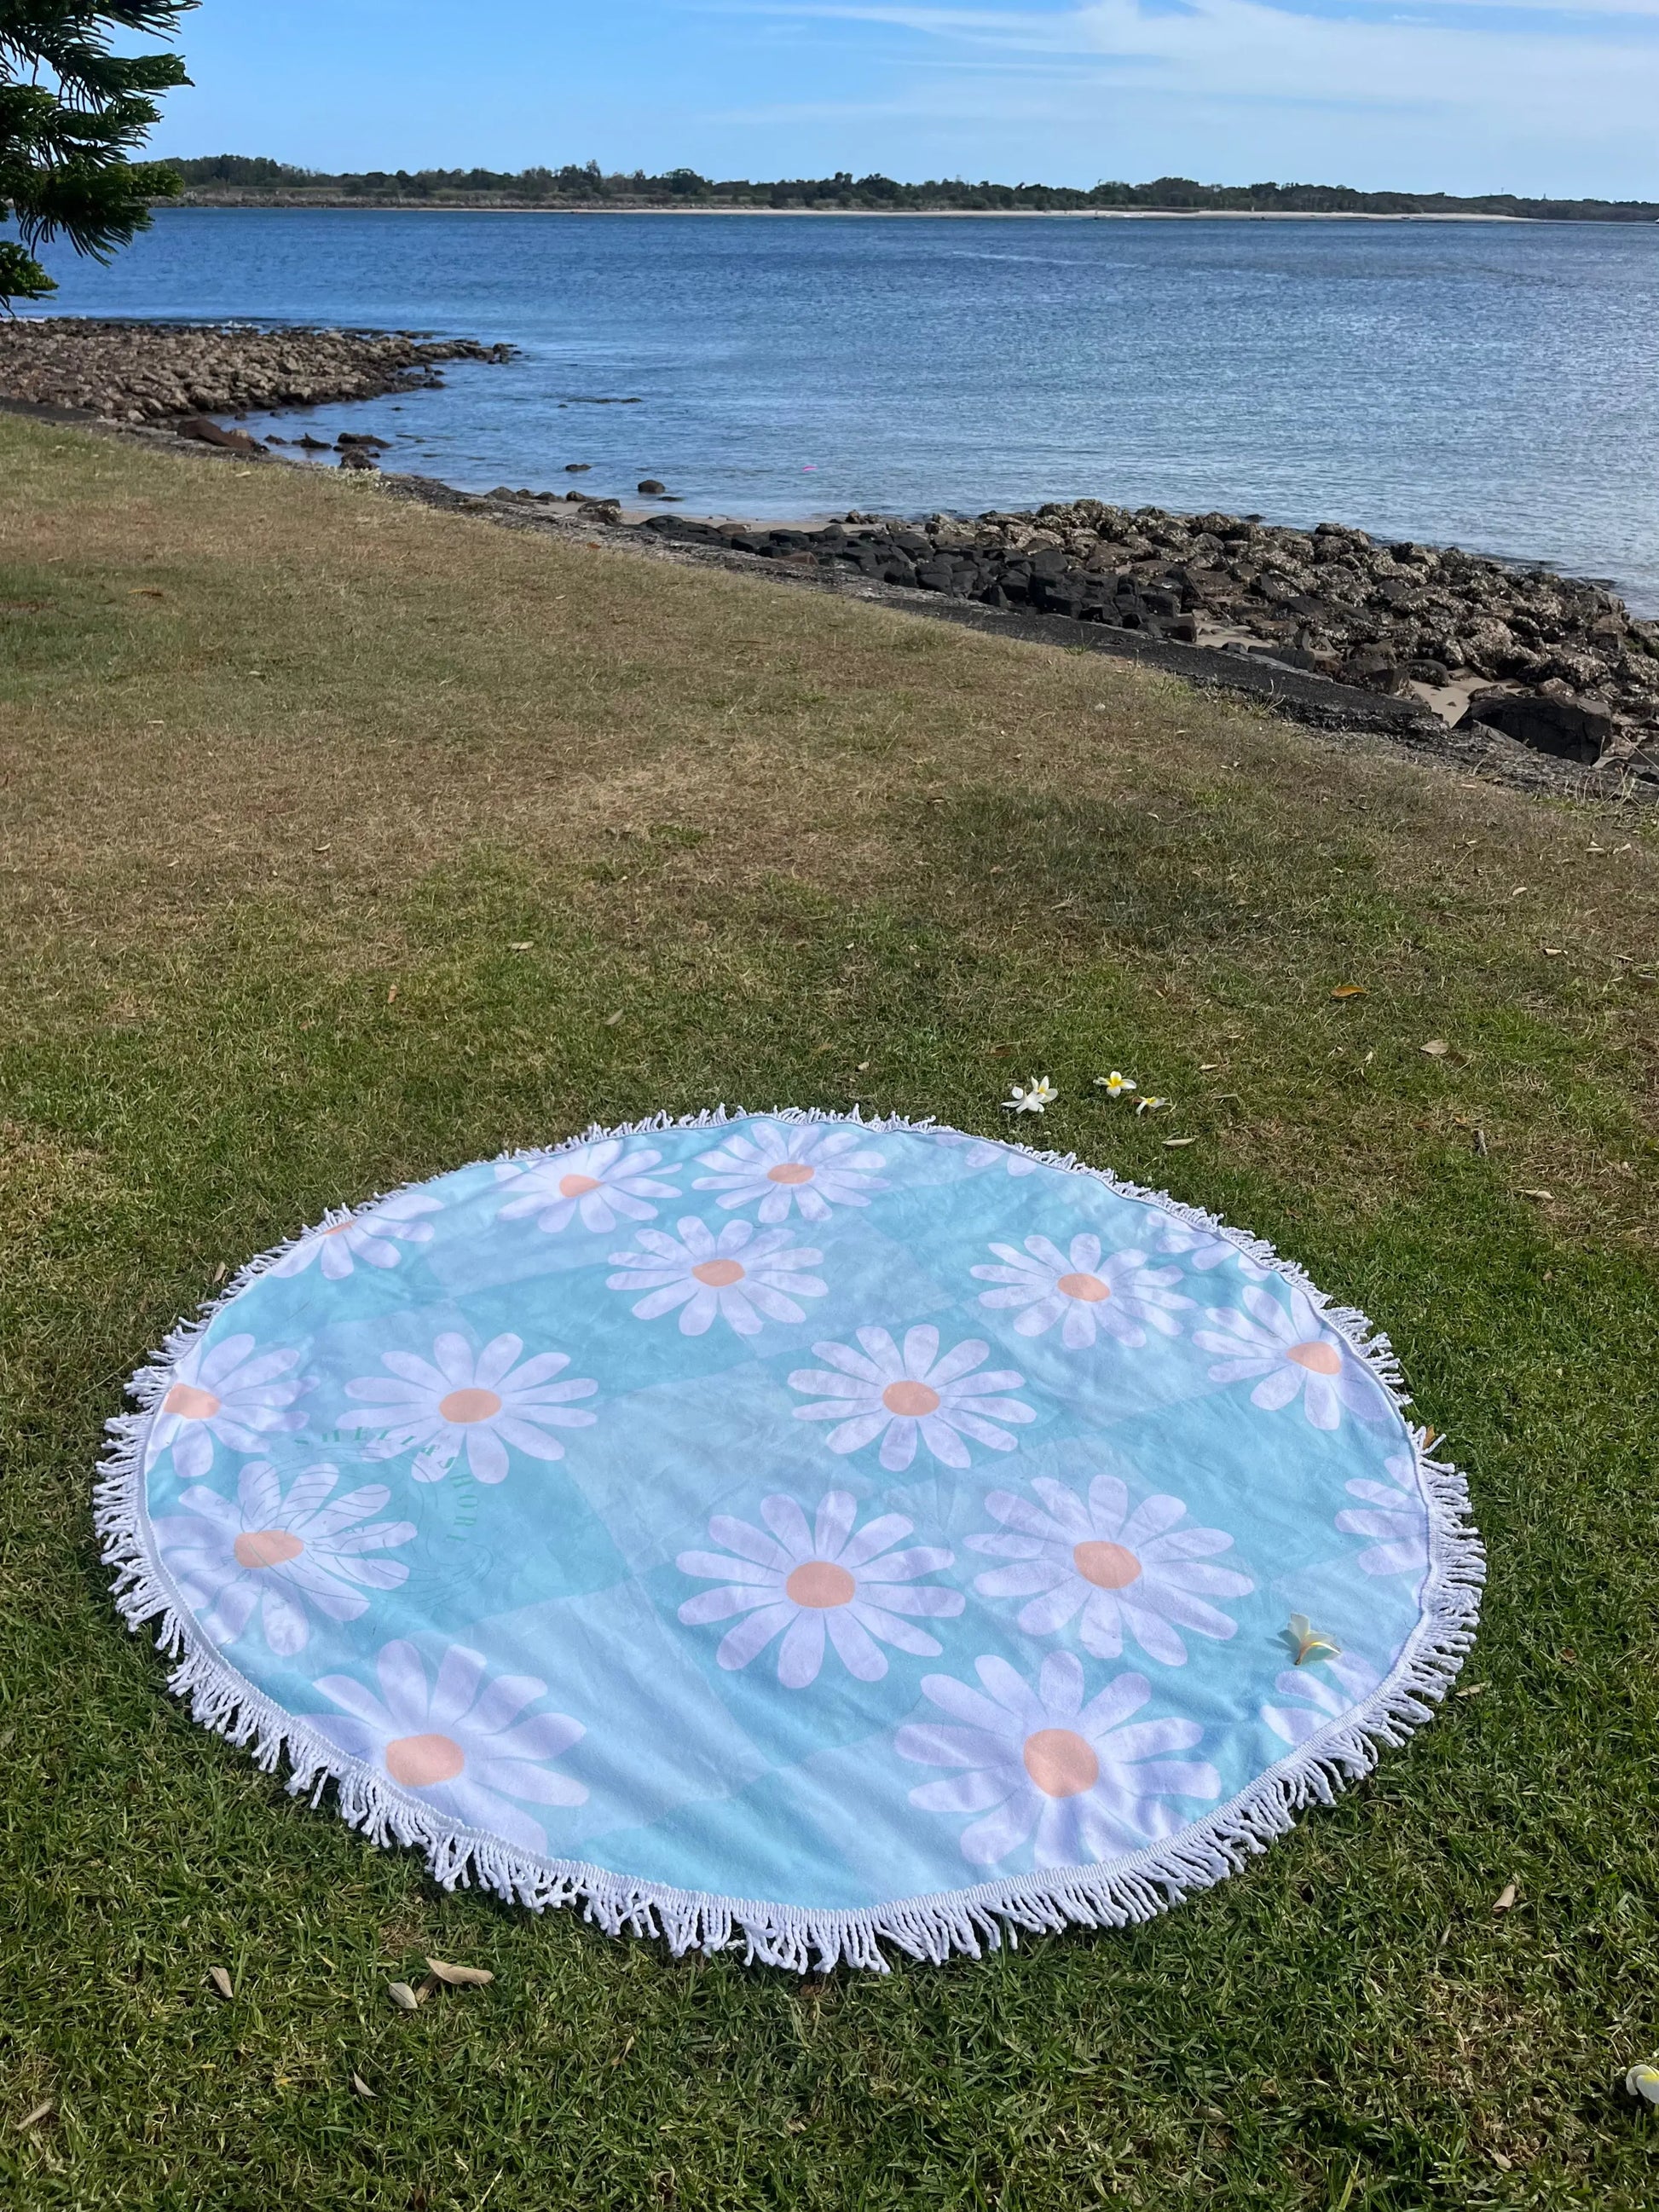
824,1535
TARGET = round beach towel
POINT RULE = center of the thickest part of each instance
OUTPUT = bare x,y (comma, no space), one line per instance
817,1533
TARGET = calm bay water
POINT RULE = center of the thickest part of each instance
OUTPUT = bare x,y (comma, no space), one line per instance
1490,386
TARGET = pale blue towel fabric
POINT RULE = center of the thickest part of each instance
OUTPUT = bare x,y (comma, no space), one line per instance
786,1509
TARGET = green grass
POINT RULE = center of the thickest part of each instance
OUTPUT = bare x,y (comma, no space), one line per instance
275,749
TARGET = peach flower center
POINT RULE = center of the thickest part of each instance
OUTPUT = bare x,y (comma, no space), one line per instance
577,1186
1060,1763
189,1403
718,1274
1316,1356
910,1399
821,1584
419,1761
338,1228
1107,1566
790,1171
266,1548
1088,1288
461,1406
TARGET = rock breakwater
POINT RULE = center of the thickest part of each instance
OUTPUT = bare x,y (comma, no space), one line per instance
1554,661
158,372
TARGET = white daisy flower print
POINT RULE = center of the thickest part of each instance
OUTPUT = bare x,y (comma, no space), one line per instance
456,1741
280,1553
1393,1511
1316,1696
373,1236
983,1154
901,1396
1123,1295
1294,1353
1201,1249
1126,1573
790,1165
230,1392
463,1401
830,1583
1081,1783
743,1276
595,1183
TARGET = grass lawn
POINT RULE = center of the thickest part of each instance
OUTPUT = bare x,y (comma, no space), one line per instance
290,769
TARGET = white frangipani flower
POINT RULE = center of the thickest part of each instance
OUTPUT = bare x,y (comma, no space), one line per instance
1039,1764
745,1277
1394,1511
460,1401
280,1552
373,1236
1294,1352
456,1742
1126,1572
1124,1295
901,1396
806,1584
1115,1086
786,1164
1316,1696
1036,1094
594,1183
229,1391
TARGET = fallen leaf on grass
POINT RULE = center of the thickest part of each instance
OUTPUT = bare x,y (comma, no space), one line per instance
392,994
612,1020
1170,1143
1210,1066
43,2111
1349,991
1474,1690
522,944
361,2087
1534,1193
461,1978
1505,1898
1503,2164
403,1996
1554,951
146,592
1437,1047
220,1272
221,1982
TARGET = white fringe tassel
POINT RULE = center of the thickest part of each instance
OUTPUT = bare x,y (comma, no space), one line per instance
970,1921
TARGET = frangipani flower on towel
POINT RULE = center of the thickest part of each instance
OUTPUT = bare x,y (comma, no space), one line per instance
1309,1644
1395,1513
898,1397
280,1552
1294,1353
373,1236
1124,1572
745,1277
810,1583
1082,1782
463,1401
1313,1699
456,1741
790,1164
594,1183
1124,1296
229,1391
1036,1094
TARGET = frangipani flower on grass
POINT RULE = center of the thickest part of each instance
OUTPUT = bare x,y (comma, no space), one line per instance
1114,1085
1035,1095
456,1741
463,1401
280,1552
1084,1783
810,1583
1150,1105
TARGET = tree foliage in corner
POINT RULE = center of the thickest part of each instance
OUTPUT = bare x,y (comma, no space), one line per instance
71,112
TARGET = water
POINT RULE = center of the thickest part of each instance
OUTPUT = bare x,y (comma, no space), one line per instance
1491,386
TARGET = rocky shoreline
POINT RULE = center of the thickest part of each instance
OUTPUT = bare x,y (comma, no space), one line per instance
1553,663
158,372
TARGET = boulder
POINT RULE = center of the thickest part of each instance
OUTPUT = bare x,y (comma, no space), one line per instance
1570,729
354,458
210,434
650,486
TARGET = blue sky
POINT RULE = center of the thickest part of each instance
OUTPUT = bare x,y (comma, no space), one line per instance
1462,95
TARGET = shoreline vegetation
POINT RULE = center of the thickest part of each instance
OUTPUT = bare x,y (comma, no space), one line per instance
244,180
1553,663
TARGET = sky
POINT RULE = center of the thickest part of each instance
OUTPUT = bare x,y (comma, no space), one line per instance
1536,96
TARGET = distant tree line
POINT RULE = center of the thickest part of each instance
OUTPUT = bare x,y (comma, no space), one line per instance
252,177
